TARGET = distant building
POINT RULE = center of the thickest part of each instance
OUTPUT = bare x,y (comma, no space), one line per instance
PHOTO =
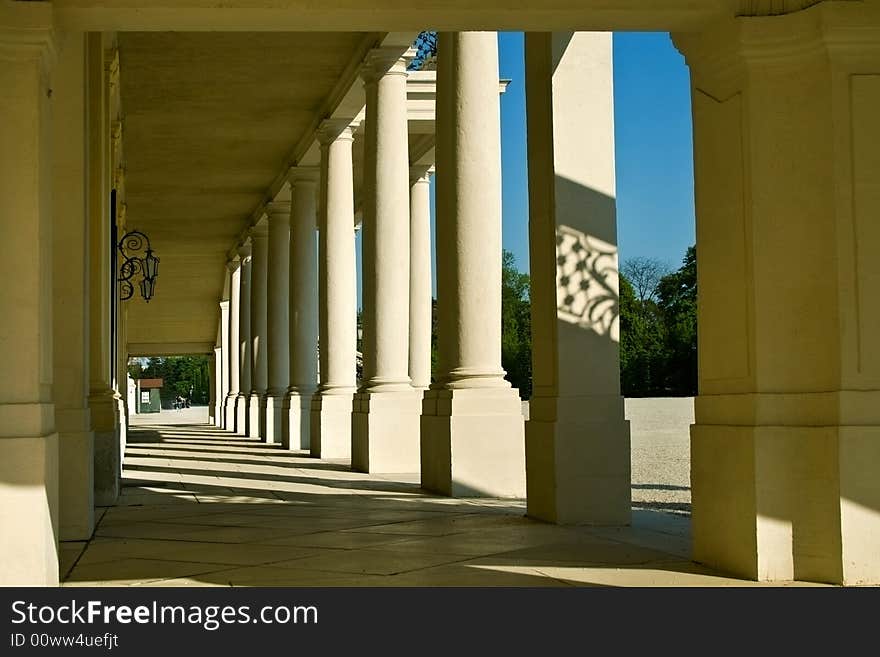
147,398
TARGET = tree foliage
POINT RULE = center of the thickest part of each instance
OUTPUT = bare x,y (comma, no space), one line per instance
187,376
516,326
658,332
644,275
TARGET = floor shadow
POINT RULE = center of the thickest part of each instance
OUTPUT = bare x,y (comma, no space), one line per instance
302,522
671,507
659,487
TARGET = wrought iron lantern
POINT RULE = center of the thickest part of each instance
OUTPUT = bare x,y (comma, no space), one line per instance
130,247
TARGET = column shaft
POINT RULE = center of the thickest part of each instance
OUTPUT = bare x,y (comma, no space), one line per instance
331,407
224,353
234,347
472,426
386,410
278,324
303,307
212,389
785,449
245,361
258,325
103,400
71,295
28,442
577,438
217,387
420,293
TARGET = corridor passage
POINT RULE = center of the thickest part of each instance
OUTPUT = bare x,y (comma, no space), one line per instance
202,507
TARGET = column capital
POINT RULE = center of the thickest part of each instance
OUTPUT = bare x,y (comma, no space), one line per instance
258,231
380,62
303,175
420,173
332,130
224,305
233,263
278,210
244,249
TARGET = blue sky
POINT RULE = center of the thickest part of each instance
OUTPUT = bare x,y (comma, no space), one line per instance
654,161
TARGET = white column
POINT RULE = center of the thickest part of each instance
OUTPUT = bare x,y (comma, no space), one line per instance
277,335
420,291
385,421
103,400
472,424
71,294
245,362
332,405
234,349
577,437
258,352
212,391
224,351
785,449
28,442
303,286
217,383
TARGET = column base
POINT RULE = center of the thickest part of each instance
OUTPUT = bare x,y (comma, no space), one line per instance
385,428
29,512
256,416
297,412
107,457
330,424
218,415
578,460
242,415
787,502
274,418
123,430
76,475
473,443
229,413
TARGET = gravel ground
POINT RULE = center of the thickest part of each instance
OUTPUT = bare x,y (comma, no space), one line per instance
659,431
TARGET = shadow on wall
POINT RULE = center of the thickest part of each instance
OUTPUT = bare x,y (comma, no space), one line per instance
587,292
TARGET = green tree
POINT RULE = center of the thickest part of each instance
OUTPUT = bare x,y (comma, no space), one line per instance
516,326
187,376
658,333
677,294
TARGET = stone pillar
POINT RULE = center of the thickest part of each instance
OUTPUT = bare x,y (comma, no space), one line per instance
259,363
785,451
243,348
303,307
577,437
223,397
234,347
472,440
216,370
332,404
121,369
28,442
278,320
420,291
103,399
385,420
71,294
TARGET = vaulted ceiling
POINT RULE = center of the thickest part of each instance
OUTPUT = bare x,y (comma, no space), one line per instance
210,120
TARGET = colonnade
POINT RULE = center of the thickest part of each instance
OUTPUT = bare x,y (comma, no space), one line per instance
389,421
785,445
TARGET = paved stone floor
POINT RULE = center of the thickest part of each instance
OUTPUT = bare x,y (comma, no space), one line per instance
201,507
